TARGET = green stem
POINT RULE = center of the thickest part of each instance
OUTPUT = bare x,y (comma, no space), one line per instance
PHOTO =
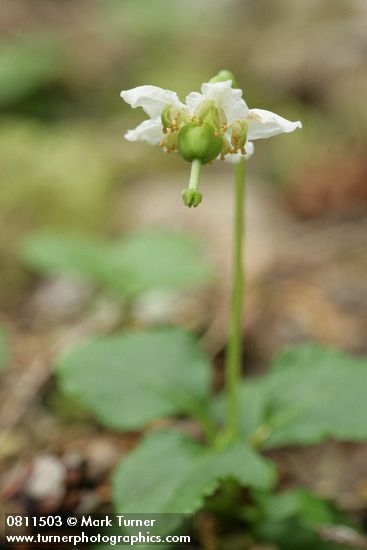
234,350
195,175
207,426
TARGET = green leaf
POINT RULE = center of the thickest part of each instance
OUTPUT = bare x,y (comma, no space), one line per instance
135,264
53,253
130,379
315,393
309,395
252,407
291,534
291,519
300,503
168,472
4,351
158,259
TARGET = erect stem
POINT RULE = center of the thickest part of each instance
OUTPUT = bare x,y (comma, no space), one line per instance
195,175
234,349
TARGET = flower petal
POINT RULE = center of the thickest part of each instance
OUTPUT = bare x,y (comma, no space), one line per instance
152,99
193,100
150,131
234,158
250,149
264,124
230,99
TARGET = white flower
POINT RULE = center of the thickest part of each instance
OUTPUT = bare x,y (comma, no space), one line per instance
265,124
153,100
223,99
226,97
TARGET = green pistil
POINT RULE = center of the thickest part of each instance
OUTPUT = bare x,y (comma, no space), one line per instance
192,196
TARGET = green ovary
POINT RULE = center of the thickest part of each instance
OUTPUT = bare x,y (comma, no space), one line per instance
199,142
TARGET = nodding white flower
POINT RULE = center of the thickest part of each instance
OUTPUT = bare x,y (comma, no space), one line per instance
213,124
219,105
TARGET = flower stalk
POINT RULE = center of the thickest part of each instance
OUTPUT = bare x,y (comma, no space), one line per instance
234,349
215,123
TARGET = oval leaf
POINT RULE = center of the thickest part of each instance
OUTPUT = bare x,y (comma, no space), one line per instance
168,472
131,379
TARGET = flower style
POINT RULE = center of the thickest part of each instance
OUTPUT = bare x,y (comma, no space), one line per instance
213,124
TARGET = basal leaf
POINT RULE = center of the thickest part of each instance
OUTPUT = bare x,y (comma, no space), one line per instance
54,253
300,504
132,265
310,394
252,407
158,259
291,534
292,519
168,472
315,393
130,379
